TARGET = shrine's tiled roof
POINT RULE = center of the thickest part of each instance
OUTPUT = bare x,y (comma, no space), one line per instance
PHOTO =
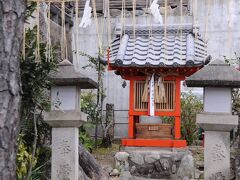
157,50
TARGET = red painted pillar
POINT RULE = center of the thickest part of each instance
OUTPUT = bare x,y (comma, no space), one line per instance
178,109
131,122
131,126
177,127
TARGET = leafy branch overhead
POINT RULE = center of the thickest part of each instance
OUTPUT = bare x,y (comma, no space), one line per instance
94,62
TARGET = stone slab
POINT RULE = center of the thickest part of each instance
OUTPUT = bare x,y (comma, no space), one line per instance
59,118
217,121
65,98
152,149
64,154
150,120
218,99
217,155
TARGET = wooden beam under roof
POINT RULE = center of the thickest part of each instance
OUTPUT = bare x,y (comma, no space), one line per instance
117,4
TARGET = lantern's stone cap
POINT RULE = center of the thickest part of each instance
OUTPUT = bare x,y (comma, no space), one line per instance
217,121
66,75
57,118
216,74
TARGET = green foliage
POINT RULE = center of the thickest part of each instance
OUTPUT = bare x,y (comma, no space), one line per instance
35,85
89,106
30,8
236,101
191,105
235,97
35,100
23,158
85,138
235,61
34,74
94,63
168,119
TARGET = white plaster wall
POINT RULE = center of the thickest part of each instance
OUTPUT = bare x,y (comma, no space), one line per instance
217,100
223,40
220,25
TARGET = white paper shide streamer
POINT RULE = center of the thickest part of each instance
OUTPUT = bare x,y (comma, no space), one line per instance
151,102
86,19
155,12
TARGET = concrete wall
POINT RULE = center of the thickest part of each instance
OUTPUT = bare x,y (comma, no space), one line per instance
217,25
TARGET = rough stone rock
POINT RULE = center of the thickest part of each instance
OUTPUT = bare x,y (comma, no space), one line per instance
174,168
199,164
122,161
117,164
125,175
124,166
158,166
152,158
145,169
186,178
197,174
165,163
201,175
115,172
133,169
108,170
136,158
186,168
178,156
121,156
114,178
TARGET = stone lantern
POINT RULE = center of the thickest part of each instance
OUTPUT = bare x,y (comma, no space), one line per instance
218,79
65,118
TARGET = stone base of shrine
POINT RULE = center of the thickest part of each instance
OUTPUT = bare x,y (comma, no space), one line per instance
156,162
155,143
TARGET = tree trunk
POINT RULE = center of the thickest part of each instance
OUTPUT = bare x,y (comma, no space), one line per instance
11,33
108,126
89,165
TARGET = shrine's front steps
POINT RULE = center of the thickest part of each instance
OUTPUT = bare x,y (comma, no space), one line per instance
156,163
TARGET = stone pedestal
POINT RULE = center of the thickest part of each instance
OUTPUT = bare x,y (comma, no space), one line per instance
65,140
217,155
217,143
65,153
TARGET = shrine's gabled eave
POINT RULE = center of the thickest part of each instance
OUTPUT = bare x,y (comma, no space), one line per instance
126,72
174,65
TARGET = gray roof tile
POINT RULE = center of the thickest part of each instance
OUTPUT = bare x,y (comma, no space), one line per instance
157,50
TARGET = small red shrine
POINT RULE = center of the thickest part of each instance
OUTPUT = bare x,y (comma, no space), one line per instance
155,64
